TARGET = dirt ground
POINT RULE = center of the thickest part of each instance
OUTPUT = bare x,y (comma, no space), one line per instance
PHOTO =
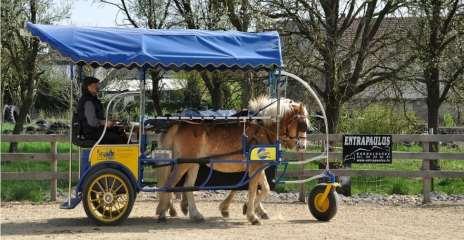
289,221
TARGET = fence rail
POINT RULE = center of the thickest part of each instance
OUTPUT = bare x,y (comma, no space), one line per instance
425,173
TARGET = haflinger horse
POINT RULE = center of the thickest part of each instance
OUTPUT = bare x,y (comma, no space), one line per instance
192,141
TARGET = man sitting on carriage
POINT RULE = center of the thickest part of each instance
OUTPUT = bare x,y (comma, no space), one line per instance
91,117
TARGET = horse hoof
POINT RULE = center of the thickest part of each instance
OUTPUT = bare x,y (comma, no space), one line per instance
173,212
264,216
184,209
225,214
162,219
244,209
198,218
256,222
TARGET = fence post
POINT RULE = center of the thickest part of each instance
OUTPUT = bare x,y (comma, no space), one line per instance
301,194
426,180
54,168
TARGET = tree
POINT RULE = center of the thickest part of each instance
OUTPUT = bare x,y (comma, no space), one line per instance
240,15
436,40
341,42
22,53
206,14
149,14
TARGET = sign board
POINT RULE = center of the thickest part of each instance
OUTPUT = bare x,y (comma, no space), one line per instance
367,148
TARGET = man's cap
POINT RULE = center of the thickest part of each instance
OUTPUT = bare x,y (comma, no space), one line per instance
89,80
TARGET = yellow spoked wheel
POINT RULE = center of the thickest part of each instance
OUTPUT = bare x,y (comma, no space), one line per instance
108,197
322,205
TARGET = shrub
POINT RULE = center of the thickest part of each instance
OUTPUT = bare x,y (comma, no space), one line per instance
400,187
448,120
378,119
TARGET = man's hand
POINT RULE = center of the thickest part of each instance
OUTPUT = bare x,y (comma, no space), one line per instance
109,124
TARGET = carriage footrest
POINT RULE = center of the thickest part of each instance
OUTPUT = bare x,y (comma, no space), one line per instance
71,204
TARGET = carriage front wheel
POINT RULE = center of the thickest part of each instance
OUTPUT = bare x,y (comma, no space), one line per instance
108,197
322,202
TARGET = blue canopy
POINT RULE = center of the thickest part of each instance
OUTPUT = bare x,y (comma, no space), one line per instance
168,49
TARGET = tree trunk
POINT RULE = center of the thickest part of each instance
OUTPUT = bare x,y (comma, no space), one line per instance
333,113
155,92
433,106
217,96
214,86
245,87
31,75
24,110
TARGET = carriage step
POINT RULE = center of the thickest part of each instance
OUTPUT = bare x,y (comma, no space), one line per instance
71,204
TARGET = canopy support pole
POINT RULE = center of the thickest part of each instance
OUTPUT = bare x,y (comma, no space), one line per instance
71,75
142,140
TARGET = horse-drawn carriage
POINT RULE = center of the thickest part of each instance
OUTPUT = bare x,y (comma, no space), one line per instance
209,152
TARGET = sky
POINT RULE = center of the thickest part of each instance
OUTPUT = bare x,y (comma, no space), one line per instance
91,13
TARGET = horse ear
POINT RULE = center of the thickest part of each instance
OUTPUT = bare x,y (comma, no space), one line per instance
302,108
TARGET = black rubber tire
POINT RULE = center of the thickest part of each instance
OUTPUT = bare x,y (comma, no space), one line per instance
131,193
330,212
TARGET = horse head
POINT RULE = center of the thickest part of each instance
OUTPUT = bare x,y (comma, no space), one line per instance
292,117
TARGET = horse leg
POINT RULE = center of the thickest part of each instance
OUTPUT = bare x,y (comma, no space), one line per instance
224,206
163,174
165,197
192,174
184,204
172,209
265,189
261,194
162,179
252,187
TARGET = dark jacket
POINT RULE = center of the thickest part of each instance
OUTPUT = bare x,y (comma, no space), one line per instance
88,130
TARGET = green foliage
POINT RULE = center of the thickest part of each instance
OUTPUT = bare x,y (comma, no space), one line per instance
53,93
378,119
448,120
24,190
400,187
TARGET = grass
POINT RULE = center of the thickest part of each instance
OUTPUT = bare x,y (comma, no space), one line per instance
38,191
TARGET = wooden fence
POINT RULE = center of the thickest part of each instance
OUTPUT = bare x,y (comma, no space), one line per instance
425,173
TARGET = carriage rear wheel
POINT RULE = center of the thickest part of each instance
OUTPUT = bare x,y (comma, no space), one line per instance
322,208
108,197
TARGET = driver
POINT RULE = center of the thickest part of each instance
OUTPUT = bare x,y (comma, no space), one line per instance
91,116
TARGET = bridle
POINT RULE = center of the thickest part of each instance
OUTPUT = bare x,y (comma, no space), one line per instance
301,127
286,137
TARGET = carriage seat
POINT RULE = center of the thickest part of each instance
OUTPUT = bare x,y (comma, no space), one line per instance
77,138
82,142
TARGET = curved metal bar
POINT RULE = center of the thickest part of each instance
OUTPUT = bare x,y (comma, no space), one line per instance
211,169
107,112
313,93
304,180
277,181
321,156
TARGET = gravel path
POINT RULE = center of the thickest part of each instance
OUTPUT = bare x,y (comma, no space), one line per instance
354,220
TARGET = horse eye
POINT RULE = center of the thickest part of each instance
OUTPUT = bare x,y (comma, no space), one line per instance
302,127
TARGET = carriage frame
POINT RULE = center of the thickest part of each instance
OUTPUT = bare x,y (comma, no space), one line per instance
125,163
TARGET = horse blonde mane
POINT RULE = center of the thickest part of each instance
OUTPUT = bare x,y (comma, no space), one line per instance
266,106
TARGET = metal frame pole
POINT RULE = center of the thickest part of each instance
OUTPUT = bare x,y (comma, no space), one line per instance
71,99
142,111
